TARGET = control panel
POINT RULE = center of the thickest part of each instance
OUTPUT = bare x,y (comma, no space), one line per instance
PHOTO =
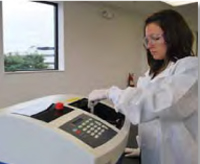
90,130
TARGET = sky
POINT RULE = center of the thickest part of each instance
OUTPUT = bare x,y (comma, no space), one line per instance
27,24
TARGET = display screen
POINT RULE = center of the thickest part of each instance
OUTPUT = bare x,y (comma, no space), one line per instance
77,121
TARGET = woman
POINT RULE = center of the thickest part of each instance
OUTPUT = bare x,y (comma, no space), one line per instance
168,134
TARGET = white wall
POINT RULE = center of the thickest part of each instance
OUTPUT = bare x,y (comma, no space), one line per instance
97,52
103,50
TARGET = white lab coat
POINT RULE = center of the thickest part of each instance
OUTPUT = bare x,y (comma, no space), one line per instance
166,109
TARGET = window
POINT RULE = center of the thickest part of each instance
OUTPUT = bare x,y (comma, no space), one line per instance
30,36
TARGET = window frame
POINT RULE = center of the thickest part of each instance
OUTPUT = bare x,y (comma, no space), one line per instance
56,40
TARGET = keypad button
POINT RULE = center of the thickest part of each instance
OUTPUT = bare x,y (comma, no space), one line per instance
98,123
74,130
88,126
88,132
102,130
95,131
78,132
99,133
105,127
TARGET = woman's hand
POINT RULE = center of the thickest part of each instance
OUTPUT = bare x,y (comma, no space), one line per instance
98,95
132,152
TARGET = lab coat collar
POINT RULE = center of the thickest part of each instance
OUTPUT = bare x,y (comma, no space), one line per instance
166,72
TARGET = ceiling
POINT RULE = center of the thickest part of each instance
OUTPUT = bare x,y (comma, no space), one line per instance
148,7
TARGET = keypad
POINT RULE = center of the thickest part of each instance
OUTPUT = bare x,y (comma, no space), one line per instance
90,130
91,127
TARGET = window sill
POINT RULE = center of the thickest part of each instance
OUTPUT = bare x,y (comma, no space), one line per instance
30,72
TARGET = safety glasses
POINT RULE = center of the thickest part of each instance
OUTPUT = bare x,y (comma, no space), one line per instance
153,39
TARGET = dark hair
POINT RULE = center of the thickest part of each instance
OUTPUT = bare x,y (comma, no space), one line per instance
177,35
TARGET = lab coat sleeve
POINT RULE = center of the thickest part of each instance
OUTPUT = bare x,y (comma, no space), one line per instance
145,104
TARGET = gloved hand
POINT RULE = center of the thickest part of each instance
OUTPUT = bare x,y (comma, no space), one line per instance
112,94
98,95
132,152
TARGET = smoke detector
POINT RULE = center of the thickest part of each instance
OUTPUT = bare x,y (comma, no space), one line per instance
107,14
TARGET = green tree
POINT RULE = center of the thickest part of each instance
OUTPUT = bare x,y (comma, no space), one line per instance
28,62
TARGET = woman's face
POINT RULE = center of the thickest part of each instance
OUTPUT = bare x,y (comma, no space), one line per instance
154,41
